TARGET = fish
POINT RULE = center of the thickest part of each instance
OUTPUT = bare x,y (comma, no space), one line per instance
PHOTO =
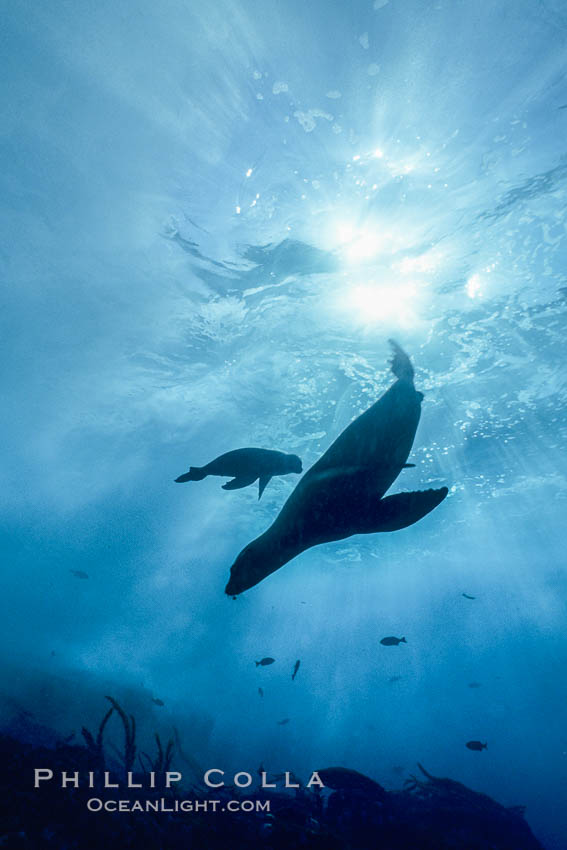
157,701
392,641
79,573
476,745
466,595
393,679
283,722
475,685
264,662
295,669
261,692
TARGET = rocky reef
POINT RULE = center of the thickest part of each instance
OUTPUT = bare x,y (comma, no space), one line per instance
353,811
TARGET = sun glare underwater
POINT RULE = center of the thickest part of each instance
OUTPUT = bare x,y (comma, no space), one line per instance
215,218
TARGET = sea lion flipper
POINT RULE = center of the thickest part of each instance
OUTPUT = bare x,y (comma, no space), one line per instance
401,510
196,473
401,364
262,484
239,482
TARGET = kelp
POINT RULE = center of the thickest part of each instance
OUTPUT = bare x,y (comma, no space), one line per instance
95,747
129,723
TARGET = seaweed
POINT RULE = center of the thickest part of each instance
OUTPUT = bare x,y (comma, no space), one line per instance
95,747
162,762
129,724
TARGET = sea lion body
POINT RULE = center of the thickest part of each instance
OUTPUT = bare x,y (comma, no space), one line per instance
245,466
341,494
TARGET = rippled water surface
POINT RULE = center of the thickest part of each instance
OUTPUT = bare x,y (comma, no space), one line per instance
215,216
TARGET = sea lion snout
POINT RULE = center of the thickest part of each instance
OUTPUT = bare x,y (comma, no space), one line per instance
295,464
242,571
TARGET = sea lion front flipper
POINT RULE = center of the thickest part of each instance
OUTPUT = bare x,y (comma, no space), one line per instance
262,484
239,482
401,510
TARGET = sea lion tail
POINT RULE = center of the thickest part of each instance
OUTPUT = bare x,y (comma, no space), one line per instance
401,364
196,473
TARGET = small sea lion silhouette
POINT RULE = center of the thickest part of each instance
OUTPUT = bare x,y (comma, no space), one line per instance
342,494
246,466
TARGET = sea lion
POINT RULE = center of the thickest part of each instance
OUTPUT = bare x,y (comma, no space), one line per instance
246,465
341,494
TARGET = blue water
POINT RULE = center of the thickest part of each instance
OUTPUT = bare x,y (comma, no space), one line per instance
214,217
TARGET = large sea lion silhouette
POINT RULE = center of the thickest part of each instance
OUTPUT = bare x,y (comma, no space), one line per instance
245,466
341,494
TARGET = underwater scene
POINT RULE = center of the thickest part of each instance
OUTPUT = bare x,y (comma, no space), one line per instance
283,424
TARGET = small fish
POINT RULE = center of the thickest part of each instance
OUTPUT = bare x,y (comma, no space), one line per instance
476,745
79,573
393,679
264,662
475,685
283,722
157,701
466,595
295,669
392,641
261,692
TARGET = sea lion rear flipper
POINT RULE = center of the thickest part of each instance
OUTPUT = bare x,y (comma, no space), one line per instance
401,364
262,484
401,510
239,482
196,473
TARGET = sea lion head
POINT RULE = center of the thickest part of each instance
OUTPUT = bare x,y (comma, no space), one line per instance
294,463
243,570
254,563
